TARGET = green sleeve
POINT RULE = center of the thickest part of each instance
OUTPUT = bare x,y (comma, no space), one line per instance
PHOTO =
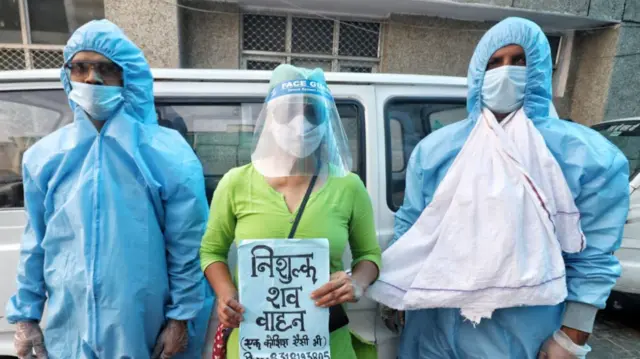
362,232
219,234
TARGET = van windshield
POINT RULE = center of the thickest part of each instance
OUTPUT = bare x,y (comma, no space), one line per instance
625,135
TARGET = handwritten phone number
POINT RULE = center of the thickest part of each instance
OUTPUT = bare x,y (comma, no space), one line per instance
314,355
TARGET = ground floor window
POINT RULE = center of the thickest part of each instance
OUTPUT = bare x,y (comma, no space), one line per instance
330,44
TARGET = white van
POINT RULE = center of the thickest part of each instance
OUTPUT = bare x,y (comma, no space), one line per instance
384,116
625,133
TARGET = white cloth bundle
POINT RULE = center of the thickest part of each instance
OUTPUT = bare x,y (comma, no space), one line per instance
494,233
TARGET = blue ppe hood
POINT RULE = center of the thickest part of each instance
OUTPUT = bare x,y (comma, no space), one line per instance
105,38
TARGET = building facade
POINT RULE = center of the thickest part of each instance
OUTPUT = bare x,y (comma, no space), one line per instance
595,43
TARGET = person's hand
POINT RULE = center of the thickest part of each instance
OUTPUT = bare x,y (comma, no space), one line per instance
339,290
173,339
393,319
229,311
29,339
560,346
575,335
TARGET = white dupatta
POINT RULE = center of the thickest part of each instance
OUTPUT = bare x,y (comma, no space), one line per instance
494,233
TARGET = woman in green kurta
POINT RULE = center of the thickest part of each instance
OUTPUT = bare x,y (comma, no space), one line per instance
261,200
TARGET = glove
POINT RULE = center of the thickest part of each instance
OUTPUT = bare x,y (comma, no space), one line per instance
393,319
560,346
29,338
172,340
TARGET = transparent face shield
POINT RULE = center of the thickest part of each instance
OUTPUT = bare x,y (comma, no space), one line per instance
299,133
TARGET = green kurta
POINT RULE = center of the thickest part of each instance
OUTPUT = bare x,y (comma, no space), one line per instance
245,206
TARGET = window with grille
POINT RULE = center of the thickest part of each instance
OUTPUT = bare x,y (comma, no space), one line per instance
33,32
332,45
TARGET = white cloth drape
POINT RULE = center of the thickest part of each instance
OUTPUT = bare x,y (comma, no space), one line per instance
494,233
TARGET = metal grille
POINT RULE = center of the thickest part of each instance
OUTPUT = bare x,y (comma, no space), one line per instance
312,63
22,57
311,36
264,33
261,65
333,45
359,39
12,59
46,59
359,67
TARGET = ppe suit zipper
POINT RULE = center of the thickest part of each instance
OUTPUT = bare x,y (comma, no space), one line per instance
94,243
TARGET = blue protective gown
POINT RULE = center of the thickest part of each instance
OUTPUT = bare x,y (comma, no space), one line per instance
115,221
597,174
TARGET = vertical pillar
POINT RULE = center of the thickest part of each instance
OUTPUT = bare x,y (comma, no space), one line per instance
152,25
211,37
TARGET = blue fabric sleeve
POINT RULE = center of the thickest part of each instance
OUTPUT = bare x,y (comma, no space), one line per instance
185,220
28,302
603,203
414,199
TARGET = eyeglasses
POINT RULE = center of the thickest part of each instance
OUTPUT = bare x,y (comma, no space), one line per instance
107,70
312,112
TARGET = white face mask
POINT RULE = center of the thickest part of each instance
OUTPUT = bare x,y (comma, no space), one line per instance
299,138
503,89
99,101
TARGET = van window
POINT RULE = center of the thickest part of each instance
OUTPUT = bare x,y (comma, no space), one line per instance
397,145
25,117
222,134
625,135
407,122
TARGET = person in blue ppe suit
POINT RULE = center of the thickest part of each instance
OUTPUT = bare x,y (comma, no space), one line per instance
511,69
116,211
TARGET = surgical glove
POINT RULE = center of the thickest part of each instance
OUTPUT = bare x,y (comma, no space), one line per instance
29,338
172,340
560,346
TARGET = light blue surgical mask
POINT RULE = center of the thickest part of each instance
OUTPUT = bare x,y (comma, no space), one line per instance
503,89
98,101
